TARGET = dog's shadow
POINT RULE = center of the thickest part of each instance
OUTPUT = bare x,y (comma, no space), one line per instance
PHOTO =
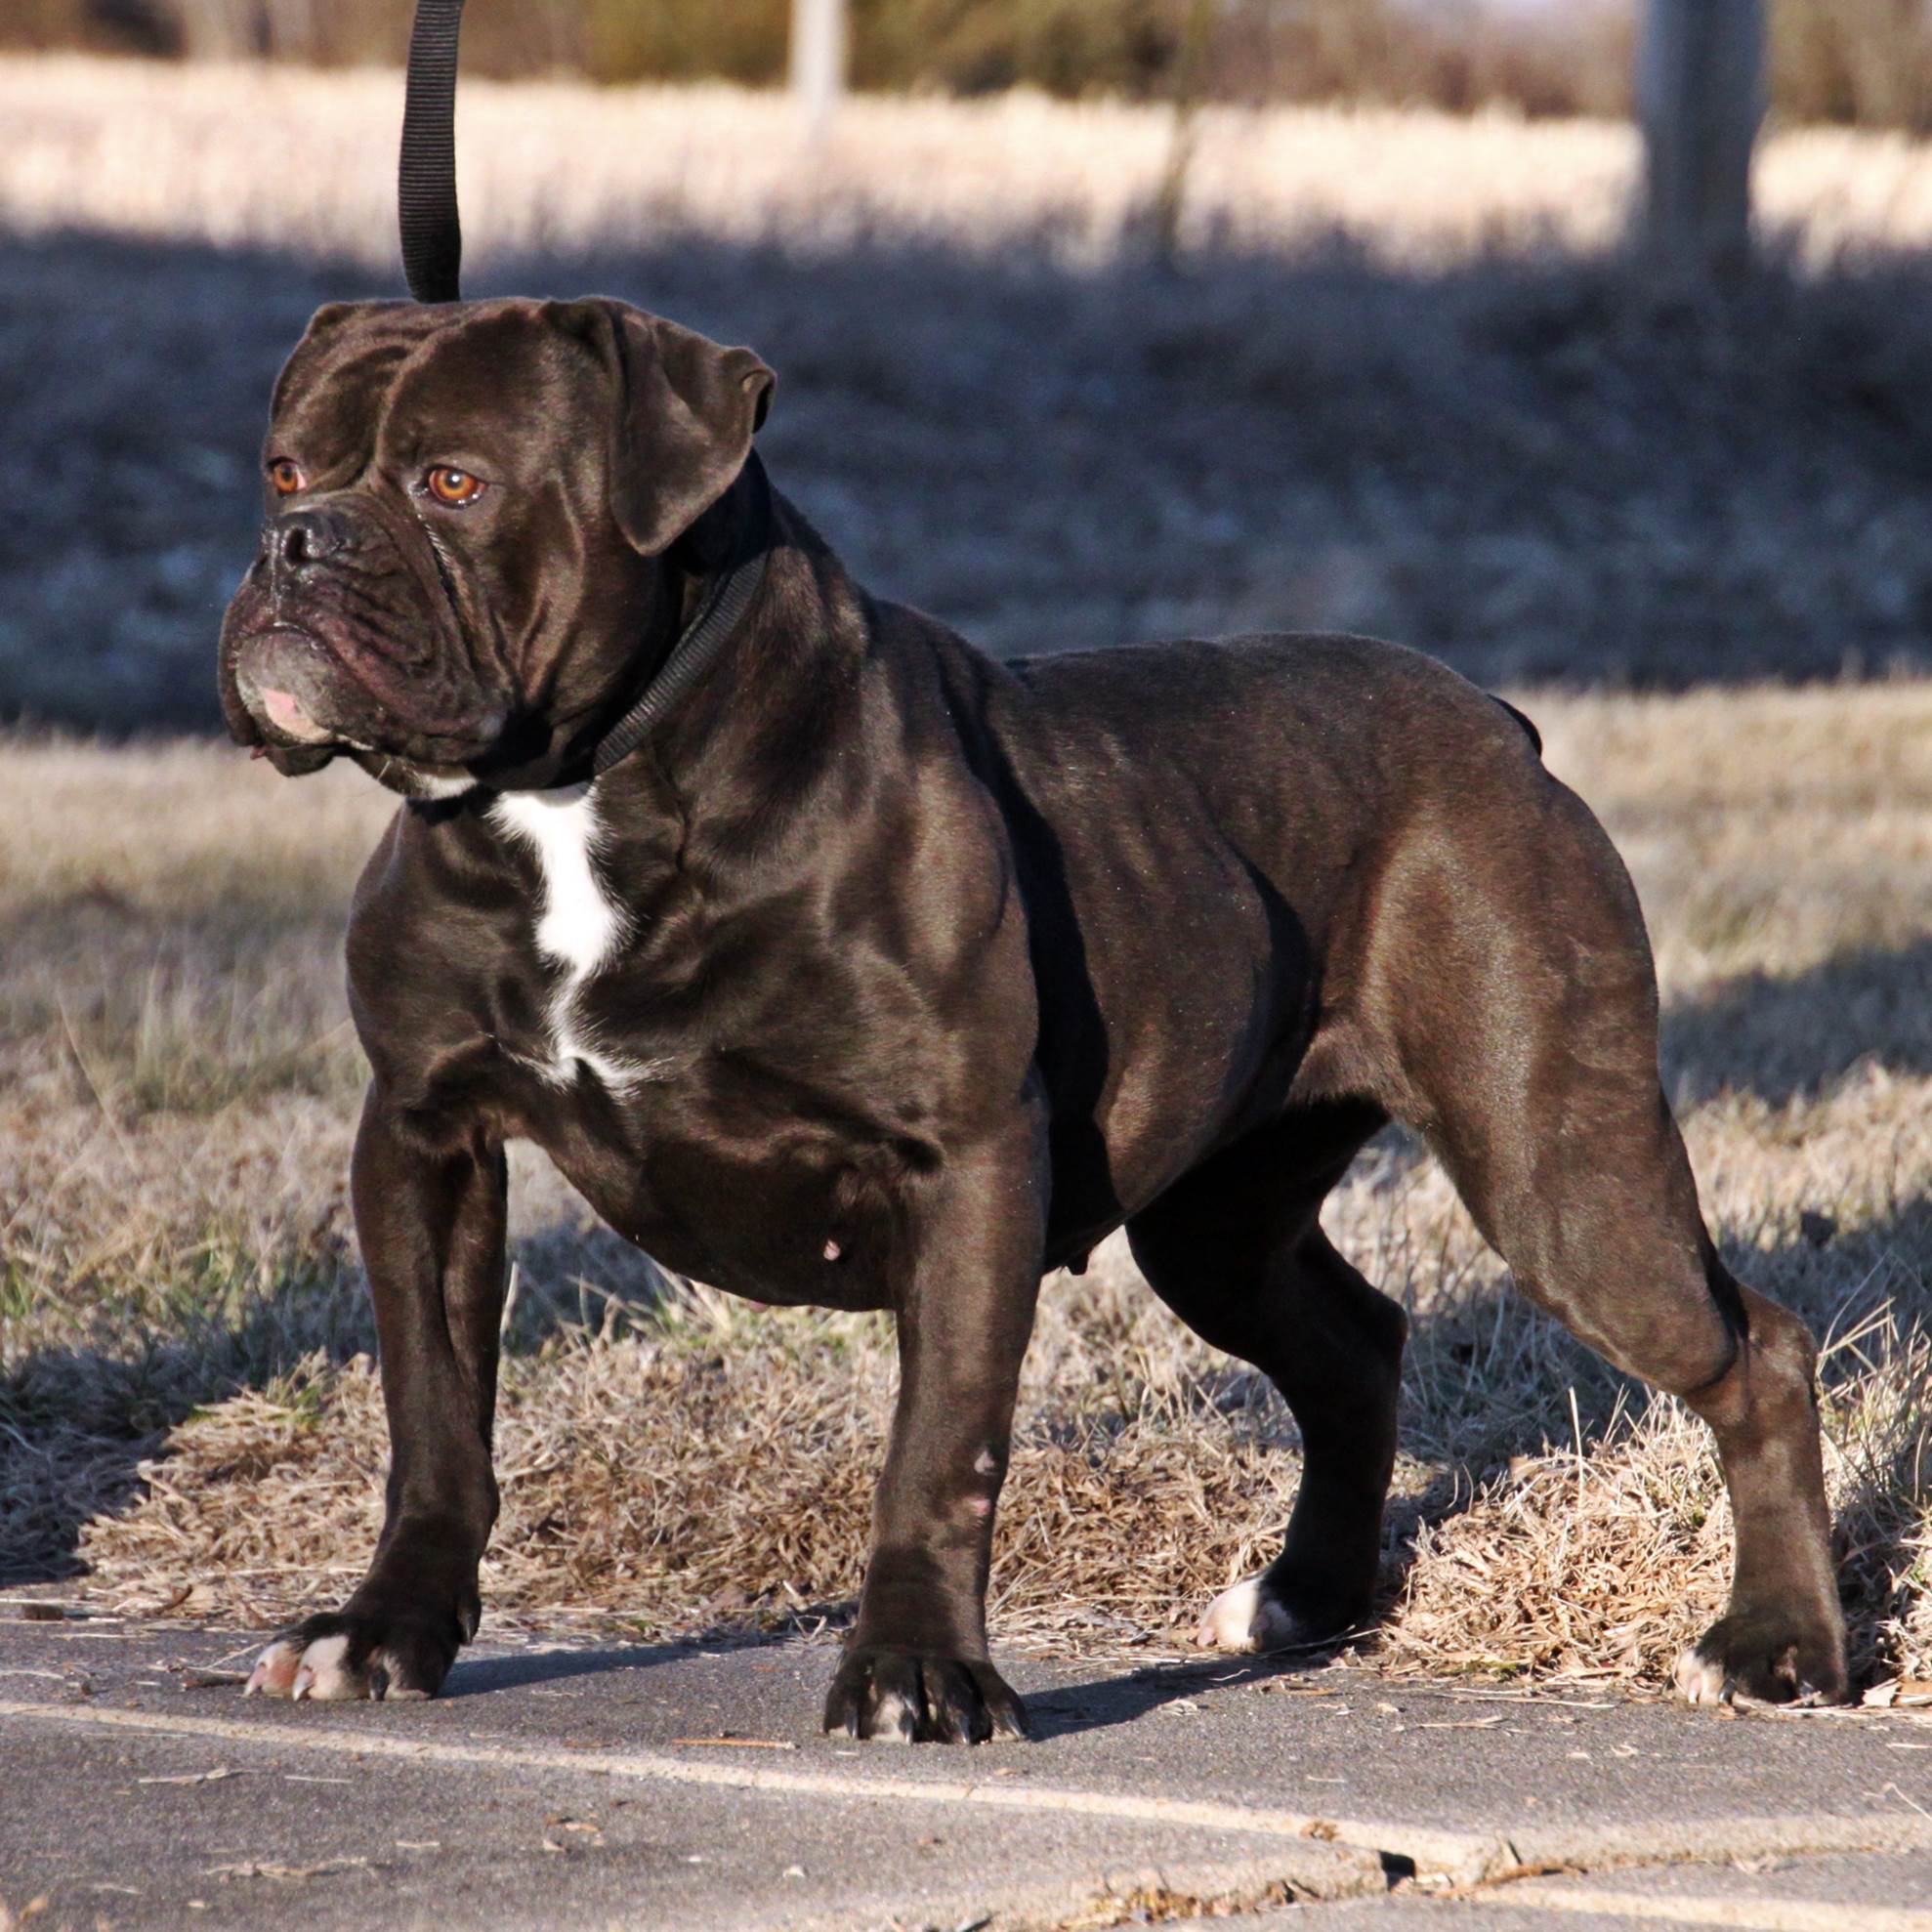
517,1670
1059,1711
1100,1703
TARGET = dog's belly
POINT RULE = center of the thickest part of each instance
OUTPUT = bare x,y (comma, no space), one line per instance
801,1215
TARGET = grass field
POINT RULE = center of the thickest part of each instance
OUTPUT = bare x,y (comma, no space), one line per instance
187,1405
279,157
1398,380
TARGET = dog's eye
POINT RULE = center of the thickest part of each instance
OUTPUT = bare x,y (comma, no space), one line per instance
453,487
286,477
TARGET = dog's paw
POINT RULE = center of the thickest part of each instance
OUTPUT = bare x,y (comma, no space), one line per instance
1244,1619
1765,1658
337,1658
1260,1615
905,1697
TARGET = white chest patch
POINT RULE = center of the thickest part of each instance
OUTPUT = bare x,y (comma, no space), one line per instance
579,925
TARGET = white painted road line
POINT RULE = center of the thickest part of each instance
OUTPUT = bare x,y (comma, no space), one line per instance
1748,1914
1462,1855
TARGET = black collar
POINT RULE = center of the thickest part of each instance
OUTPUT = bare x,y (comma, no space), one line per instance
725,601
726,598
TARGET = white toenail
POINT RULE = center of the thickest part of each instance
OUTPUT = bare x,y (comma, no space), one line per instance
1243,1618
893,1723
324,1663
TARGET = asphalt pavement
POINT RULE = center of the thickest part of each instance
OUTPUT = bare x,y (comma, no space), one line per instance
559,1785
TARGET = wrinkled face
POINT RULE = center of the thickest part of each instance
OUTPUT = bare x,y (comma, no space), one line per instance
467,510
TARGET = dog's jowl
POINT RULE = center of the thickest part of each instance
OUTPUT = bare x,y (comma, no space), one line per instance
835,963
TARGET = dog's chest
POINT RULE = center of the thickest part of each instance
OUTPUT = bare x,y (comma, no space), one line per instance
578,925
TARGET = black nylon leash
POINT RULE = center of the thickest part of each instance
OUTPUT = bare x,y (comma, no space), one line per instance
426,176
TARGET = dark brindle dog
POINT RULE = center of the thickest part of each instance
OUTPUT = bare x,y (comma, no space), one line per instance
874,974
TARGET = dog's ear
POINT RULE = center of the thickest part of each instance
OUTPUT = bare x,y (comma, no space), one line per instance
683,416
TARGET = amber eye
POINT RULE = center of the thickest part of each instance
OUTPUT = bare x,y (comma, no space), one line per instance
452,486
286,477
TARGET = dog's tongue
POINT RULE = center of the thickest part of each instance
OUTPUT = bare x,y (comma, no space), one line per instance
288,715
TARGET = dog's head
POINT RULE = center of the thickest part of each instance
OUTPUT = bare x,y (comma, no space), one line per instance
468,508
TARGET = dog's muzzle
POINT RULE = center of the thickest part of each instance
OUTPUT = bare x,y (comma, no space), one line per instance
340,639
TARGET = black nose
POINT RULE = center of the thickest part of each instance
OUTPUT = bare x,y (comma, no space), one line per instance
303,537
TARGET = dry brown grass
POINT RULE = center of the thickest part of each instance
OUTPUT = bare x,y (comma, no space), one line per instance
179,1290
558,168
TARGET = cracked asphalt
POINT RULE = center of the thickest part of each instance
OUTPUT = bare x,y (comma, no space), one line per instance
566,1785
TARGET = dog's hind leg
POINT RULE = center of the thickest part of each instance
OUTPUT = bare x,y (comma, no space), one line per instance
1234,1249
1516,990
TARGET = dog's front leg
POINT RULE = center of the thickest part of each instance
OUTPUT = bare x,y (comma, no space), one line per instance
431,1221
916,1664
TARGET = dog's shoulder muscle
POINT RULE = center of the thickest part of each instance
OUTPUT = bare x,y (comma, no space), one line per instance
426,922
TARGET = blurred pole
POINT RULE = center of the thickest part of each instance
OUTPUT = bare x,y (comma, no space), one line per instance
1700,97
1170,199
225,29
817,62
291,32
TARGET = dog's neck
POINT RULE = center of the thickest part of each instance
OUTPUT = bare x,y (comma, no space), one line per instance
763,693
733,574
735,784
709,581
772,706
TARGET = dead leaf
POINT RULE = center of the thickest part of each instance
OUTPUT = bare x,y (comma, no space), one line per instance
744,1744
294,1872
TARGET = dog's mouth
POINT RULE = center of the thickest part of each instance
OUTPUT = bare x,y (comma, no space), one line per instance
288,684
285,716
274,680
358,650
299,703
268,693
